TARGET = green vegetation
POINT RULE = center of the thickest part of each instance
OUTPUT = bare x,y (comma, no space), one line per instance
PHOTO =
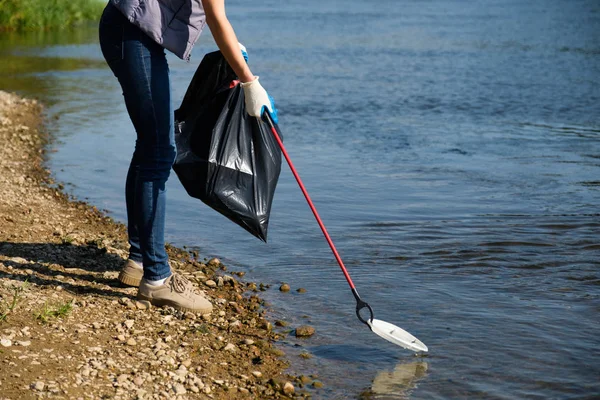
7,307
47,14
59,311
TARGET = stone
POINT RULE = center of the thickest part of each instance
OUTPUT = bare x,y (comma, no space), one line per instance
301,290
5,342
230,347
288,388
305,331
178,388
39,386
210,283
124,301
214,262
266,325
129,323
131,342
284,288
257,374
248,342
143,304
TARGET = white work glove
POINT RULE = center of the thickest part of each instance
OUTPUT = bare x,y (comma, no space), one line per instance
256,98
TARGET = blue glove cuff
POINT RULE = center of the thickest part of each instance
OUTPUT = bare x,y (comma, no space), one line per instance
274,113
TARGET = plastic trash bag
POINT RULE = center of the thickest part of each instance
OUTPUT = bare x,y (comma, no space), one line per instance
226,158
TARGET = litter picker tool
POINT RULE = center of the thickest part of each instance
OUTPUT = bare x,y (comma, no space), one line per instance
387,331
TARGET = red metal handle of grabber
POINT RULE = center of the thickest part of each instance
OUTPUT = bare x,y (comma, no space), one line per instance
360,304
269,120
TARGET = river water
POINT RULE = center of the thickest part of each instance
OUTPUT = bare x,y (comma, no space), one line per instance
453,151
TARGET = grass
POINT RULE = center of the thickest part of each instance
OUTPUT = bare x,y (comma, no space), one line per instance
47,14
7,308
49,312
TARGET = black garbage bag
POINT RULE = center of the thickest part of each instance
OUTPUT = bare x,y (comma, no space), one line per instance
226,158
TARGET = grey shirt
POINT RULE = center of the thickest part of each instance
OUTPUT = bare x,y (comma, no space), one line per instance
174,24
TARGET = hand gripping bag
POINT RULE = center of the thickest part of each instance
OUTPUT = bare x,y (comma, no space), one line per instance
226,158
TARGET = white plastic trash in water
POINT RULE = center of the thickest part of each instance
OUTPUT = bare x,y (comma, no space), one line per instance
396,335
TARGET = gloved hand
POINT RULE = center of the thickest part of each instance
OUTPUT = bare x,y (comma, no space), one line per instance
257,99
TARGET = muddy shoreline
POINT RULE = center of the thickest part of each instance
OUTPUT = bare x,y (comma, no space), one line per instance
69,329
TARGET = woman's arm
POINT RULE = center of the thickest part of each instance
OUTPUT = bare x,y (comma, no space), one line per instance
225,37
255,96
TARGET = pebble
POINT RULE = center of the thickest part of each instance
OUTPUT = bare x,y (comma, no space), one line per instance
257,374
129,323
143,304
131,342
230,347
248,341
301,290
288,388
284,288
39,386
6,342
179,388
305,331
124,301
210,283
214,262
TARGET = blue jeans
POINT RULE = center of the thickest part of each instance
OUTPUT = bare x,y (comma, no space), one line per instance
140,65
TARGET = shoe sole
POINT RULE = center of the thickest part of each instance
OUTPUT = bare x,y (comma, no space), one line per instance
129,280
162,303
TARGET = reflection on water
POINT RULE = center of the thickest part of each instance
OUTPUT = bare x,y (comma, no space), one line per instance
13,42
398,383
30,61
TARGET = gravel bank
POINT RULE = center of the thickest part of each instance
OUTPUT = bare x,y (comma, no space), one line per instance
68,329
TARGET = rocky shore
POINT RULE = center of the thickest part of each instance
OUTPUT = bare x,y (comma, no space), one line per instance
69,329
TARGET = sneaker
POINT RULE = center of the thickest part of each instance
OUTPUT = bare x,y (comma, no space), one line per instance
176,292
131,274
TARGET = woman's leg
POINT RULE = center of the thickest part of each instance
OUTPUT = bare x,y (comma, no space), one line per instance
141,67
